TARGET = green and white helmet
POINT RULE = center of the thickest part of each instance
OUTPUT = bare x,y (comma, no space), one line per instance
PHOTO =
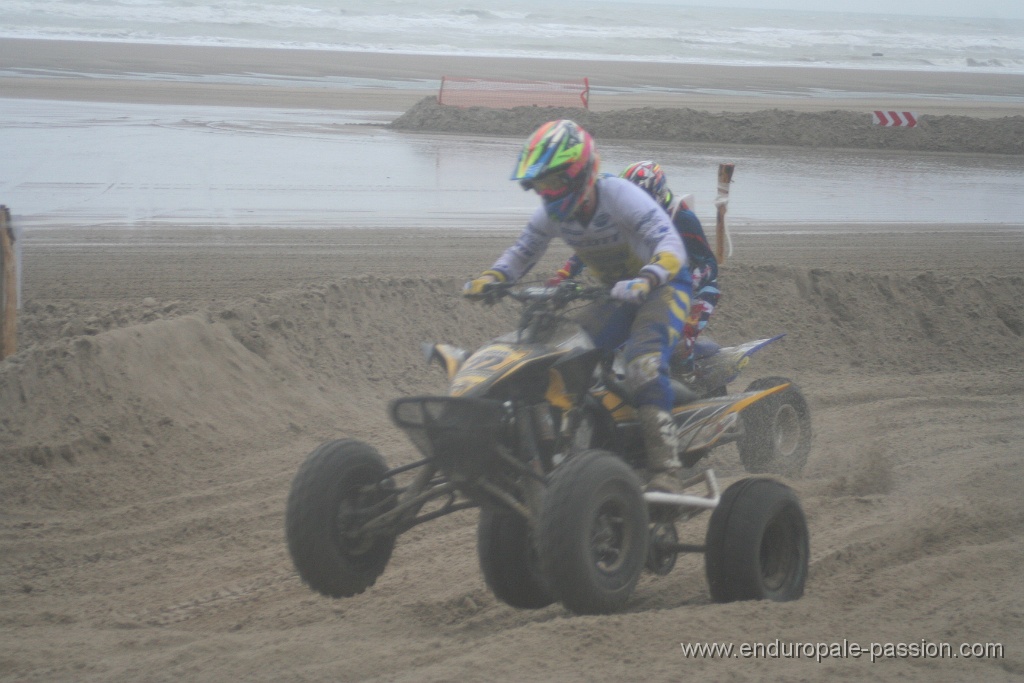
560,162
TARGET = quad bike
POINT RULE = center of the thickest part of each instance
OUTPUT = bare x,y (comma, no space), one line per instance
538,431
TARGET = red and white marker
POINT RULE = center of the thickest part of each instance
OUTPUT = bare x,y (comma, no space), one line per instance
893,119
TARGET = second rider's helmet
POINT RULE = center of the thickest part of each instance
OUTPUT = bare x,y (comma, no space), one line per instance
651,178
560,162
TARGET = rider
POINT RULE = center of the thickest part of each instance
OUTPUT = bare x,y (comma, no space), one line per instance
703,264
629,243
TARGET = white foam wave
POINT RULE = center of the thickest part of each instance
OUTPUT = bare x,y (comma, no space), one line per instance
533,28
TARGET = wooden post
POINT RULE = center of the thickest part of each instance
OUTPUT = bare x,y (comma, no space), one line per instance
721,202
8,287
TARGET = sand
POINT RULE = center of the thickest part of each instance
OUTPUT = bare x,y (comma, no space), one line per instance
833,129
166,391
125,72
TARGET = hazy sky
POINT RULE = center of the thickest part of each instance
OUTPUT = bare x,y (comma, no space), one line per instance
996,9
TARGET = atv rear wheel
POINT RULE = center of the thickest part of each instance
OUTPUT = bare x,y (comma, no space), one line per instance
334,493
757,543
776,436
509,561
592,534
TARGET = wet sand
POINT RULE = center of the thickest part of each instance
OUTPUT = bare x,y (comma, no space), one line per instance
72,68
211,264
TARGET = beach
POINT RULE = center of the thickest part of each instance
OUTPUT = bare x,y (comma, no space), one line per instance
395,81
171,378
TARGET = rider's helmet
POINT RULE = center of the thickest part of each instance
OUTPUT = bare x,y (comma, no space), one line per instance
560,162
651,178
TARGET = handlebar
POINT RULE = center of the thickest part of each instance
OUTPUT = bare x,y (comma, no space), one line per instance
561,294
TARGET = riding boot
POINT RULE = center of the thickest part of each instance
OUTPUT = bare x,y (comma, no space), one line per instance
663,465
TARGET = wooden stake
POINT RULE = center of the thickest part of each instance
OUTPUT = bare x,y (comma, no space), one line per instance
8,287
721,202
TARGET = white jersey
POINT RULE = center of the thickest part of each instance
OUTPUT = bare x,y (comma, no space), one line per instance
629,232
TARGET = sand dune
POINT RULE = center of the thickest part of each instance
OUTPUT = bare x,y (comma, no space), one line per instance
846,128
147,451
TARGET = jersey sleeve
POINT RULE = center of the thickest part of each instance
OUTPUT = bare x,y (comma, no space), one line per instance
698,249
574,266
518,259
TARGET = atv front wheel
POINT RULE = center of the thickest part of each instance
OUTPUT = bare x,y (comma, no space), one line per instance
334,493
776,436
509,561
757,543
593,532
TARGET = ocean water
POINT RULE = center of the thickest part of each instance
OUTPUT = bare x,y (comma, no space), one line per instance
587,29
